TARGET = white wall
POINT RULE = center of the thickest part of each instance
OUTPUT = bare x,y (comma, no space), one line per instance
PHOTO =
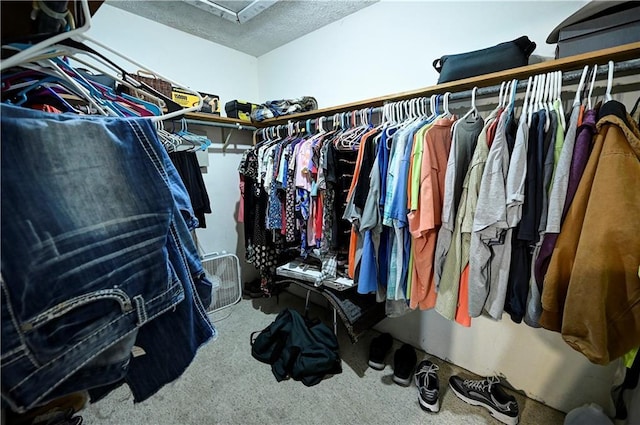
388,48
197,63
203,66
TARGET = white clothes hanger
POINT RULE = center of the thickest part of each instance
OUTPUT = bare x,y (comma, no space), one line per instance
562,118
474,110
607,95
593,81
445,105
500,96
532,102
525,102
585,71
512,96
545,102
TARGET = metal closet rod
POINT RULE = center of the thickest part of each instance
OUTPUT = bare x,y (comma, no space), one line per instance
567,76
236,126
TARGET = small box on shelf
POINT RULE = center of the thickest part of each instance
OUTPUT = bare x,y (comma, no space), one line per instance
210,105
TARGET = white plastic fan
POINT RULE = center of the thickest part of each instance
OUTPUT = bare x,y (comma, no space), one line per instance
224,272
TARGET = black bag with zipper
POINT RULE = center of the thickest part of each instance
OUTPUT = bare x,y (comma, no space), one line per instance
511,54
298,348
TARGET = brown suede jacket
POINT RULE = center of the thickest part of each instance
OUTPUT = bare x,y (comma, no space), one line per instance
591,292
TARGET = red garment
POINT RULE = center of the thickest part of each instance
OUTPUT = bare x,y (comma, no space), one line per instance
491,130
462,311
241,206
46,108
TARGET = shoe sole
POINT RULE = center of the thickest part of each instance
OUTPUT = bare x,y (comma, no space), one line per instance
508,420
376,366
429,407
402,381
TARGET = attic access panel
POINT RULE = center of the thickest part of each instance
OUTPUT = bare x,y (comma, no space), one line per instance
239,11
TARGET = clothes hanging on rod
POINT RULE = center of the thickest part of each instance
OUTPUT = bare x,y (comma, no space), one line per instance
295,188
465,215
188,168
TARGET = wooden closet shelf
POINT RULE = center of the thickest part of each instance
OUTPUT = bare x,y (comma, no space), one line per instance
618,53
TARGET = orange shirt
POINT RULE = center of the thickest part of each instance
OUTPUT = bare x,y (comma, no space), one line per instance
425,221
353,241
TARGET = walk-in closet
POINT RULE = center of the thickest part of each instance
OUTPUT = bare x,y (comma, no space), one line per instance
320,212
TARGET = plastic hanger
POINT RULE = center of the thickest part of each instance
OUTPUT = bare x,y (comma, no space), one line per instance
607,95
445,105
502,85
563,120
593,81
545,101
525,102
433,105
512,97
534,88
585,71
506,95
474,110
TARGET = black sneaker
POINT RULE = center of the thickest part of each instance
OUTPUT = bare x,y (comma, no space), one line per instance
404,363
378,350
428,386
489,394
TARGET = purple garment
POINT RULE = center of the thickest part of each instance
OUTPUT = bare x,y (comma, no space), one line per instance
581,151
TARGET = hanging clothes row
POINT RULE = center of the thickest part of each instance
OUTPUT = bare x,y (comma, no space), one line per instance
294,189
467,216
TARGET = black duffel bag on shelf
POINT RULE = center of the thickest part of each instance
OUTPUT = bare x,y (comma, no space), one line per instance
510,54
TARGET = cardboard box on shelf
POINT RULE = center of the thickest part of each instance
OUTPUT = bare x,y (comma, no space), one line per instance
210,105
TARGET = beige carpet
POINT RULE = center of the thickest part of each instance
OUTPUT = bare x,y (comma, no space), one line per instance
225,385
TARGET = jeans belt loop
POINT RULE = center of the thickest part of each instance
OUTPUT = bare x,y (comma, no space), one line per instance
140,309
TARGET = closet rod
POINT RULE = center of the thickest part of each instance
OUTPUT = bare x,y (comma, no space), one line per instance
567,76
236,126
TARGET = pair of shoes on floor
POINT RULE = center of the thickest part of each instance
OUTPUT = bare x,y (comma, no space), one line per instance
489,394
404,359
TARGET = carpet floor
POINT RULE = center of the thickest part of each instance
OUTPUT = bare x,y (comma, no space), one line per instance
225,385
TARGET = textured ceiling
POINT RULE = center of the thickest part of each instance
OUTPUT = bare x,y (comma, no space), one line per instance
281,23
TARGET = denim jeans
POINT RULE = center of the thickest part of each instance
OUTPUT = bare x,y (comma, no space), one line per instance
93,253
